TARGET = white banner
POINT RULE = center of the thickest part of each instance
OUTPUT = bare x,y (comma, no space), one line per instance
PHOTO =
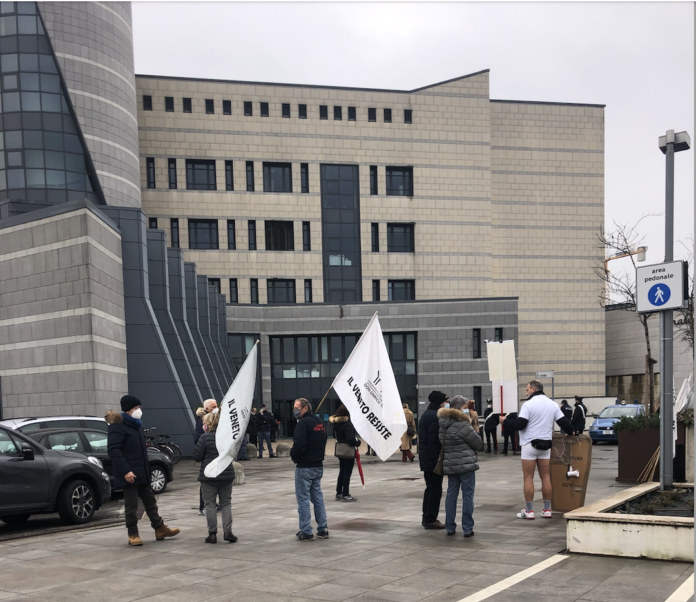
235,410
502,370
367,387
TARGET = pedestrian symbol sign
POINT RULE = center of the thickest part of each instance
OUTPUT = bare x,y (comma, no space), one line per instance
661,287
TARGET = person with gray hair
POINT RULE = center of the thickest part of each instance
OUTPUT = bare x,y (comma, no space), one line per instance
459,443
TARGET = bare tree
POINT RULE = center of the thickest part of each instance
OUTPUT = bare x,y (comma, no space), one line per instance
684,318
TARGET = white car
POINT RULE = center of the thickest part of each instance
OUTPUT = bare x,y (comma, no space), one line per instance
28,425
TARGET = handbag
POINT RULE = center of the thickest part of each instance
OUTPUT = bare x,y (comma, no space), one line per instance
542,444
439,467
344,451
411,432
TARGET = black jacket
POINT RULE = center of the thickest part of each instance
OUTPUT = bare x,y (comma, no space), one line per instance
490,420
200,412
344,431
127,450
251,427
578,419
309,442
429,438
264,421
205,452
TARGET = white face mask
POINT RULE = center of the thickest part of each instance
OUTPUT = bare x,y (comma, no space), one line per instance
137,414
215,411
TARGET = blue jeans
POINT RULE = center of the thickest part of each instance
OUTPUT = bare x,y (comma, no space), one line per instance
265,436
308,487
467,483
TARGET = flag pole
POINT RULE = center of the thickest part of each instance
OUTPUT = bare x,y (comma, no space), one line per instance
322,399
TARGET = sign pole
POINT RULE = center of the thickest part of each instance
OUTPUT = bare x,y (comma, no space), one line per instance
501,377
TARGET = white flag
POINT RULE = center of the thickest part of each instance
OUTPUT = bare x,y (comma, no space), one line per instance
235,410
367,387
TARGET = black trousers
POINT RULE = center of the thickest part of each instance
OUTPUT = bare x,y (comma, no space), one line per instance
130,500
492,433
431,496
513,440
344,473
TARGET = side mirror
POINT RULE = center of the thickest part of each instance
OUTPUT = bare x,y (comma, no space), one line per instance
27,453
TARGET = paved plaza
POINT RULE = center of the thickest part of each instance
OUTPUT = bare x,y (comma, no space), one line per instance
377,550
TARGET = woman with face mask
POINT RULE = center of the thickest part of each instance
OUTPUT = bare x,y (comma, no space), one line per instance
346,442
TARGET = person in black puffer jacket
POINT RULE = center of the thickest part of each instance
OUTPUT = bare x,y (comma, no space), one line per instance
214,487
579,415
428,455
344,431
264,424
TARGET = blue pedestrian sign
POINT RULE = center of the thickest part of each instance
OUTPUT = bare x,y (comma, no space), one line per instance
661,287
659,294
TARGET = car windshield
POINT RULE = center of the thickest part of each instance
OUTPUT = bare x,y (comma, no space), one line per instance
617,412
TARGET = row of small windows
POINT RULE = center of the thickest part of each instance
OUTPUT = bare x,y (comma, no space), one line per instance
285,110
476,340
277,177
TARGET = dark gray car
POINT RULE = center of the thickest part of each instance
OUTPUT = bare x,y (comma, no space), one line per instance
36,480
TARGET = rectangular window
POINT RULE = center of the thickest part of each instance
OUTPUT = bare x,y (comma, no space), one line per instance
351,114
248,108
402,290
302,111
254,285
234,292
171,170
279,236
203,233
286,110
387,115
153,223
187,105
498,335
250,176
231,235
264,109
408,116
306,237
375,290
373,179
174,226
280,291
400,181
372,114
304,177
478,400
323,112
252,235
307,291
374,228
200,174
400,238
227,107
338,113
277,177
229,176
169,104
150,163
147,102
476,343
215,282
209,106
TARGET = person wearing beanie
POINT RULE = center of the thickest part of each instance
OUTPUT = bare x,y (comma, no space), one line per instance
428,456
131,469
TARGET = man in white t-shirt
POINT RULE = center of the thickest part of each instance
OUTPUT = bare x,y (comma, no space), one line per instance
535,423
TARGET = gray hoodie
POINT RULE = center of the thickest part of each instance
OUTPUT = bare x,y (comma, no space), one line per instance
461,442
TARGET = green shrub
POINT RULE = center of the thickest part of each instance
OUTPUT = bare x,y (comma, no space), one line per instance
686,417
633,423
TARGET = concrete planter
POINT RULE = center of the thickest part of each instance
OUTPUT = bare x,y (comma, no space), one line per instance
594,530
635,450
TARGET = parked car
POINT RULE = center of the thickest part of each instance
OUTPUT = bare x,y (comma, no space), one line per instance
26,425
36,480
92,442
602,429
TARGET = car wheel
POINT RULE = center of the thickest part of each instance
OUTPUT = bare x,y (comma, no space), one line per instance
76,503
158,479
15,519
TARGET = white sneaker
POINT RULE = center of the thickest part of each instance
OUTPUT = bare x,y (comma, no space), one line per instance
546,514
525,514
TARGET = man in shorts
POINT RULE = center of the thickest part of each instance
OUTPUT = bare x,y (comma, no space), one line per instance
535,423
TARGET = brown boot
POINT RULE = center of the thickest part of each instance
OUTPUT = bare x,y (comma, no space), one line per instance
134,540
163,531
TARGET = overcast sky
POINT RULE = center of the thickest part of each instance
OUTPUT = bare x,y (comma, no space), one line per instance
637,58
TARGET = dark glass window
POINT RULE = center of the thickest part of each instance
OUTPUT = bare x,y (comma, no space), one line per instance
372,114
171,169
279,236
478,400
304,177
402,290
307,291
231,235
302,111
498,335
203,233
150,163
400,181
476,343
169,104
400,238
277,177
252,234
375,290
351,114
200,174
306,237
374,230
187,105
280,291
229,176
373,179
387,115
250,176
215,282
248,108
209,106
338,113
323,112
174,225
147,99
152,223
264,109
254,285
286,110
234,291
227,107
408,118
